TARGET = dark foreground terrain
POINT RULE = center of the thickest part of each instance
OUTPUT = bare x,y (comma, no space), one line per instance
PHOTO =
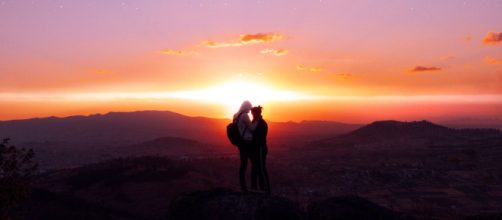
399,170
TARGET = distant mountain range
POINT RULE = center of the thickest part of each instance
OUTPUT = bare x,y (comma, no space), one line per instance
80,139
134,127
111,128
76,140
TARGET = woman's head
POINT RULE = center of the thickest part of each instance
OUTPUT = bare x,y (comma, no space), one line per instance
245,106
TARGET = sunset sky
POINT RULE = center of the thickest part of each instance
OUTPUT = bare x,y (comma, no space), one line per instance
350,61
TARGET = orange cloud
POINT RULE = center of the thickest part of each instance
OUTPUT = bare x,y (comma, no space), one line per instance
305,68
260,38
492,60
492,38
245,39
278,52
179,52
424,69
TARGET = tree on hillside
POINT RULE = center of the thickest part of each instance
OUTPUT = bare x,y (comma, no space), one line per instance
16,169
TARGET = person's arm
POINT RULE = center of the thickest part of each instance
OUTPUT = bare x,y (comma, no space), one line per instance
250,125
265,128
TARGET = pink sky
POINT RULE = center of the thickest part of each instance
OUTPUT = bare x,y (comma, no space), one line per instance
422,54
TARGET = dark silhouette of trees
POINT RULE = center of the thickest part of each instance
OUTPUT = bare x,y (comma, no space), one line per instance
16,169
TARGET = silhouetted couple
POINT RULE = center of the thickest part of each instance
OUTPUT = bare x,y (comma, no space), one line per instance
253,147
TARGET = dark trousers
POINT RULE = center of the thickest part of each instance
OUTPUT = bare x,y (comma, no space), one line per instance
245,152
259,170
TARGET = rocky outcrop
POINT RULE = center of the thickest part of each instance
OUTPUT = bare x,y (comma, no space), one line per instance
223,204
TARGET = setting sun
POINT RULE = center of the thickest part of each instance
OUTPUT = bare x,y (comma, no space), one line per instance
232,94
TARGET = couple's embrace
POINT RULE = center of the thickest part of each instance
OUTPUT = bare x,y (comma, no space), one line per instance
252,146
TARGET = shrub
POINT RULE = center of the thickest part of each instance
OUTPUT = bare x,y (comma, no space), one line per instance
16,168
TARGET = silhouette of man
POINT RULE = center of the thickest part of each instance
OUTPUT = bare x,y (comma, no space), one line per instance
260,150
246,129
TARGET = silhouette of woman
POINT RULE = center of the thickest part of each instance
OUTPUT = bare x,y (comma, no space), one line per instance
246,129
260,150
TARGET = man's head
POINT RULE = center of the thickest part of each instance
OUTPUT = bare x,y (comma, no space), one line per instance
256,111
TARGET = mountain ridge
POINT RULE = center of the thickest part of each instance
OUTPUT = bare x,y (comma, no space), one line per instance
392,130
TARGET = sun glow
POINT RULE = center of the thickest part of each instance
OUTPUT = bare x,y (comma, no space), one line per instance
232,94
229,95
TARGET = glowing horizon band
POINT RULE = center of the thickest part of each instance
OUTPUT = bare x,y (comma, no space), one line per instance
195,95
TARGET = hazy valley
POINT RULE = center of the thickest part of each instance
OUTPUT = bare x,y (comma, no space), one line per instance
132,165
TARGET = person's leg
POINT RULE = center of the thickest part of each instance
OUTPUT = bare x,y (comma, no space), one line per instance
255,168
242,171
263,159
259,167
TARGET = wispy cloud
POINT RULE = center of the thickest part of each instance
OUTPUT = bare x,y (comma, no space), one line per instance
424,69
245,39
102,72
492,38
214,44
468,38
445,58
170,52
342,75
492,60
306,68
275,52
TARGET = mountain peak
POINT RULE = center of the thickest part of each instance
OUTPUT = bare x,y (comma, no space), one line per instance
390,129
395,122
388,124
